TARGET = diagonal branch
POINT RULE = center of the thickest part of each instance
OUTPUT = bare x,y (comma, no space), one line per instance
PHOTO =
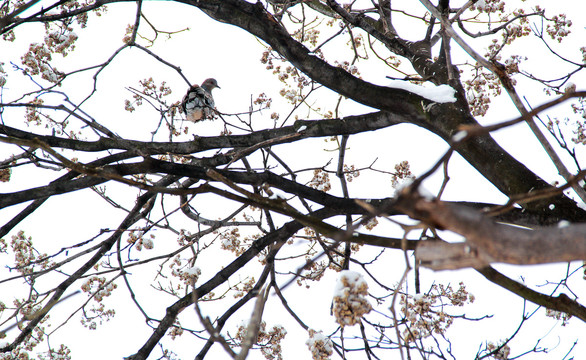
488,157
276,237
487,241
499,71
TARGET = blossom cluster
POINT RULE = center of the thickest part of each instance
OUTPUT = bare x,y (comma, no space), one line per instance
320,181
176,330
489,6
319,345
350,303
269,341
37,60
498,352
26,256
558,315
307,35
313,271
479,90
32,114
425,314
149,89
351,172
5,174
286,74
137,239
98,286
560,27
231,241
100,289
23,350
351,68
402,173
188,274
61,353
2,75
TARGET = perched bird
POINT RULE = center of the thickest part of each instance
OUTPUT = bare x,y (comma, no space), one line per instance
198,103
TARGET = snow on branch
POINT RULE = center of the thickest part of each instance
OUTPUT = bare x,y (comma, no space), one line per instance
439,94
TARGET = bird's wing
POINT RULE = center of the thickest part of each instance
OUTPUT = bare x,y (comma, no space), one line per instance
197,98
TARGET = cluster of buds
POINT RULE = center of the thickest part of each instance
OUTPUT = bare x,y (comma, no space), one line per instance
127,39
99,287
350,303
319,345
187,274
190,275
175,330
313,271
243,287
498,352
5,174
351,172
310,36
149,89
139,241
61,42
558,315
2,75
425,313
489,6
263,101
25,255
320,181
231,241
352,69
37,59
480,89
560,27
269,341
402,174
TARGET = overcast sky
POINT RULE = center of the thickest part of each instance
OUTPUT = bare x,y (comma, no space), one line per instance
213,49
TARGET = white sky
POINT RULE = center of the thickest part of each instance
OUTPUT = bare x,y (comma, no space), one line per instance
212,49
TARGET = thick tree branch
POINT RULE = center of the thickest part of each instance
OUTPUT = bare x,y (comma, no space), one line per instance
505,172
256,20
487,241
314,128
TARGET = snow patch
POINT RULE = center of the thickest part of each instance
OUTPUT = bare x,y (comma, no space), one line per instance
277,195
563,224
439,94
192,271
459,135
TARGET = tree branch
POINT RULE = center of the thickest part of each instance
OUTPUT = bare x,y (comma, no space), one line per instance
487,241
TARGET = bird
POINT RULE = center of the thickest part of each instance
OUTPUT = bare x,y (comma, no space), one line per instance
198,104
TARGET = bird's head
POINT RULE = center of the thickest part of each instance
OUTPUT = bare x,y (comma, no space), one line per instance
210,84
